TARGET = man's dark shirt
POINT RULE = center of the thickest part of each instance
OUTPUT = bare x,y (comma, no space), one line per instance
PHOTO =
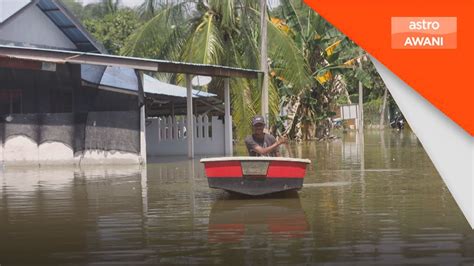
267,141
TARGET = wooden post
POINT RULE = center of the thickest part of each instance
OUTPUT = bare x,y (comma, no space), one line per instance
263,59
189,117
141,104
228,120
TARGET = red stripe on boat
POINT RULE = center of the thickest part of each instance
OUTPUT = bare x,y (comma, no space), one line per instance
223,169
281,169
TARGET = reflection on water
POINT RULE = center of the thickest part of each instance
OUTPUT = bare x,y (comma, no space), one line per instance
234,220
383,203
260,230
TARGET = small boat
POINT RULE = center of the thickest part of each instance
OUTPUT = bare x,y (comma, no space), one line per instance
255,175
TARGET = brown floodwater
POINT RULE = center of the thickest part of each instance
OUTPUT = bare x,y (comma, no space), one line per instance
381,202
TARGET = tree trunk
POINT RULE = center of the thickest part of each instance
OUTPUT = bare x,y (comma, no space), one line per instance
382,112
293,126
264,59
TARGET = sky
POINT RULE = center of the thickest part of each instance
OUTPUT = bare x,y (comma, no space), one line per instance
129,3
132,3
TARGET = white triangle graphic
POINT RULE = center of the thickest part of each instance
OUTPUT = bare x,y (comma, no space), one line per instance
450,147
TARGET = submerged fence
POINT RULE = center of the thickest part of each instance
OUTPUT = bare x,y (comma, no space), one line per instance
168,136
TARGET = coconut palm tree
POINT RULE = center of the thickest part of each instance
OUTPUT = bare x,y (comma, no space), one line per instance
222,32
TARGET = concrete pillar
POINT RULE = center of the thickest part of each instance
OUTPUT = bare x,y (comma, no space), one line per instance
189,117
1,148
228,120
143,134
141,103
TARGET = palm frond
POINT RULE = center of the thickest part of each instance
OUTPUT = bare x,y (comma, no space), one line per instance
226,11
205,45
154,34
293,13
283,51
242,106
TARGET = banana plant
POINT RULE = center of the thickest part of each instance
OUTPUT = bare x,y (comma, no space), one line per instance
332,59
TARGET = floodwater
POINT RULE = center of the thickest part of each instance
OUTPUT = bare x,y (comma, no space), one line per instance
381,202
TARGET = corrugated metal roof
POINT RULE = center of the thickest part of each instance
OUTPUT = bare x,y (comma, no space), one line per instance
72,28
164,66
154,86
123,78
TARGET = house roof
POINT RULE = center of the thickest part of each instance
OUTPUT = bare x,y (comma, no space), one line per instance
70,26
164,66
122,78
154,86
119,71
60,17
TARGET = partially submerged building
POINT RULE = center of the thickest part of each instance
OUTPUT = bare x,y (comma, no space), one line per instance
64,100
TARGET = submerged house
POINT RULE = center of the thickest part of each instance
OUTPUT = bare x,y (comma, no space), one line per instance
64,100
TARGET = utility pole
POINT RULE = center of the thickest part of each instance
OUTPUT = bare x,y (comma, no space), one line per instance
264,58
361,97
382,112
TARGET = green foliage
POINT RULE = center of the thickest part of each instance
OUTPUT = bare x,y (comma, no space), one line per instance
222,32
372,111
74,7
333,60
93,10
342,99
302,47
372,82
113,29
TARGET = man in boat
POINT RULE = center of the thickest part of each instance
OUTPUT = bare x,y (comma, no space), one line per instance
261,143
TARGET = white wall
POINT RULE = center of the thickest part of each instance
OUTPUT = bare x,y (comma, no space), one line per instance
349,111
32,26
176,144
1,150
101,157
20,150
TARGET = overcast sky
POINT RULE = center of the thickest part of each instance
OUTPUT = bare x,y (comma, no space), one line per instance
125,2
132,3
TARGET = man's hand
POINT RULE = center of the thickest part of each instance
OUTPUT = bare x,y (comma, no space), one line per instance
282,140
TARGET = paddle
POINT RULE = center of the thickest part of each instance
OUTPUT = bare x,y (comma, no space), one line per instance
286,142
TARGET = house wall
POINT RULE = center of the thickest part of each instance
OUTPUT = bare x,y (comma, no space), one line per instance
350,114
166,136
55,119
48,118
32,26
42,139
1,143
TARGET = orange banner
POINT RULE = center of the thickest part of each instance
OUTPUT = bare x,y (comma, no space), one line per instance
437,68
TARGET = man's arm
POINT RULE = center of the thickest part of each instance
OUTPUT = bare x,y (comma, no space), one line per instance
264,151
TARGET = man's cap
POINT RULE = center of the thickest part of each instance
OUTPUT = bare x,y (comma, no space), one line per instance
258,119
